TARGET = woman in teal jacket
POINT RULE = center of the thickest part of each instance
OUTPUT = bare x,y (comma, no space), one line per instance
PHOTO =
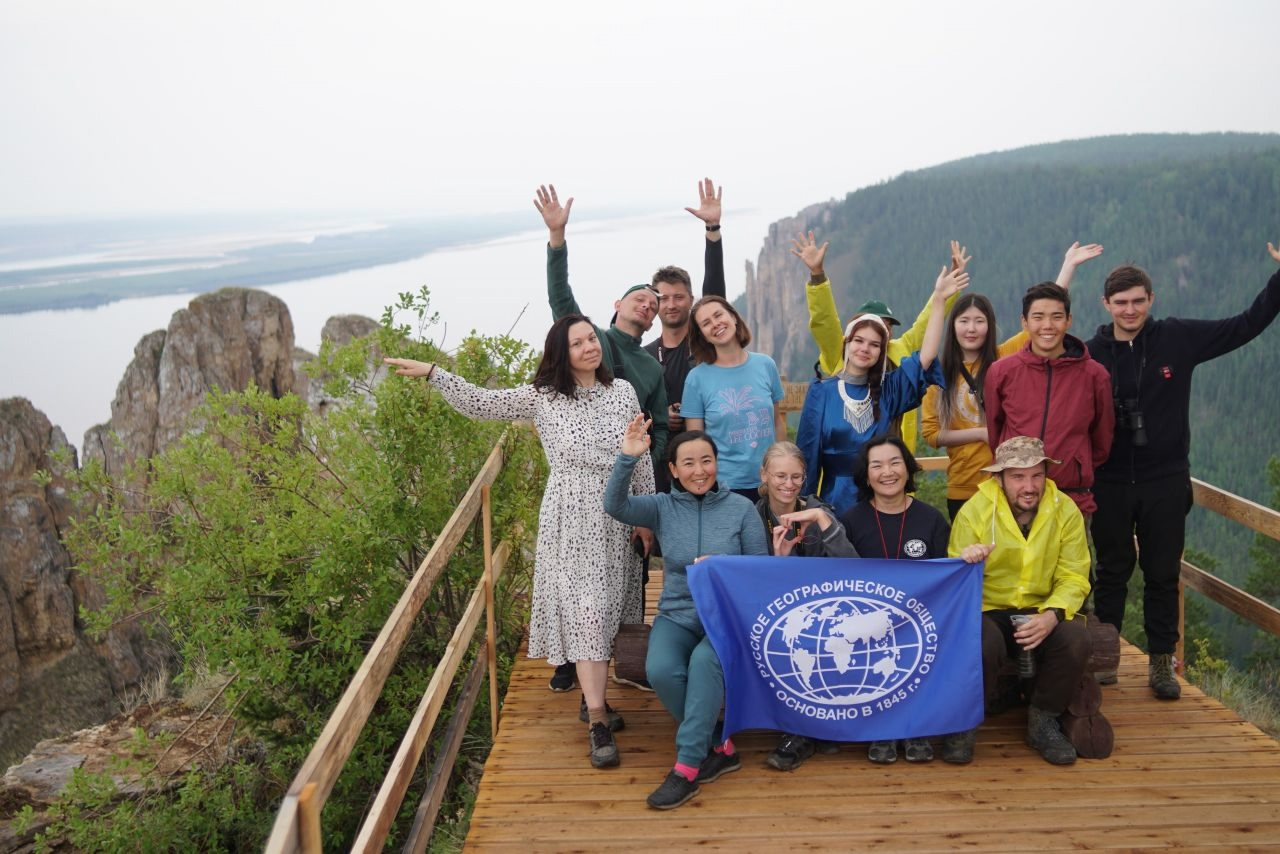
696,519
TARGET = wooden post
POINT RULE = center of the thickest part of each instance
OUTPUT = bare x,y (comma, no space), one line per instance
309,820
491,631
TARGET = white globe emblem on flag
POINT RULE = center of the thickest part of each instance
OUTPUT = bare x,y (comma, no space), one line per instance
844,650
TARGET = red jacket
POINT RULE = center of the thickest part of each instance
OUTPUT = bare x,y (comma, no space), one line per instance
1064,401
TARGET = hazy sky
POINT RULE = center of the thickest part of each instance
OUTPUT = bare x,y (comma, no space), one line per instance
151,106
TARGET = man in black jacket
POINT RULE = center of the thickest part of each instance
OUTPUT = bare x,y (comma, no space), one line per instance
1144,487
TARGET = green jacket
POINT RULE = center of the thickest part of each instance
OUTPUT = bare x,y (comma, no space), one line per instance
636,366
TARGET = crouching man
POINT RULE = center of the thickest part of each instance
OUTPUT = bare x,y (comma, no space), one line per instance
1032,537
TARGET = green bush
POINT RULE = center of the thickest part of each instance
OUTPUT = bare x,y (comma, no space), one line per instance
271,544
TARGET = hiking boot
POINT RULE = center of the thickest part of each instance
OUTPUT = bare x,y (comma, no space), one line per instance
674,791
616,723
917,750
883,752
642,684
1044,734
791,752
1161,678
716,765
957,747
565,677
1105,677
604,750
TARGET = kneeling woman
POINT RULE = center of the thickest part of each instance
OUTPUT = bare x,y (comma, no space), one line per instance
888,523
797,526
696,519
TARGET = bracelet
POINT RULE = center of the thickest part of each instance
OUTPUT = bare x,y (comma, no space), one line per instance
715,227
431,370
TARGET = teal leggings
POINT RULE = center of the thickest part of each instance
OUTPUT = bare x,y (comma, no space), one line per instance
685,673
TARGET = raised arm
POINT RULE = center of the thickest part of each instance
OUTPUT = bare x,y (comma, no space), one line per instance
708,210
1209,339
912,338
1076,255
559,294
639,510
824,320
949,284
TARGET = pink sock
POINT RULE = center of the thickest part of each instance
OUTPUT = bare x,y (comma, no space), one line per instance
686,772
726,748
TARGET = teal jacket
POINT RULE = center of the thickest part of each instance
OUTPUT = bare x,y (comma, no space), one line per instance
688,526
637,367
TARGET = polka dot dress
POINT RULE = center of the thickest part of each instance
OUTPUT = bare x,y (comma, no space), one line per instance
586,577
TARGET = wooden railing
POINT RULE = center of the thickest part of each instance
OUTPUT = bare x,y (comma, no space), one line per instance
1254,516
297,826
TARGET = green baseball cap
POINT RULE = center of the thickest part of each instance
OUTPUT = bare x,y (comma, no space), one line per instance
875,306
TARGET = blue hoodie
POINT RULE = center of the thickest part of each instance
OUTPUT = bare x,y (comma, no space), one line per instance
688,526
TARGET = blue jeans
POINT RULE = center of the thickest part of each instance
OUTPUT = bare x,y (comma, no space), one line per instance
685,673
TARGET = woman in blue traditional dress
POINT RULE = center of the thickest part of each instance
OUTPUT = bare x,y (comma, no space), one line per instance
868,398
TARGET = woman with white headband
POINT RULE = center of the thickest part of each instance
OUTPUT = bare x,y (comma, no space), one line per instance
868,398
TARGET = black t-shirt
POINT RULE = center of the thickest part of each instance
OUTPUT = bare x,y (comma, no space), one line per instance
921,533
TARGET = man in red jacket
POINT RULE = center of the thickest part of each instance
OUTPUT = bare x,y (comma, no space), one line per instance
1053,390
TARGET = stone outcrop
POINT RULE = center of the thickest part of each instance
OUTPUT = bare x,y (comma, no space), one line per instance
225,340
338,330
37,606
775,292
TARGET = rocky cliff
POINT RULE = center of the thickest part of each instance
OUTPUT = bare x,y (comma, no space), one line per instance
775,293
54,678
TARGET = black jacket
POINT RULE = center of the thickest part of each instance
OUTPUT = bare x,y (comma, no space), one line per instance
1155,370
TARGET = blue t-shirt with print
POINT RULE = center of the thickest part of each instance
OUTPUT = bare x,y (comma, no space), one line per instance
736,404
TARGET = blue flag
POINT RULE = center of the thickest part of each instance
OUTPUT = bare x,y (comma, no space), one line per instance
845,649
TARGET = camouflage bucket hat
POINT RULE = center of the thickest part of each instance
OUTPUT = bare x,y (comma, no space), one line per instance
1020,452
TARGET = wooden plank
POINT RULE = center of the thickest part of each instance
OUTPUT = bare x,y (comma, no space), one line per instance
377,824
310,838
1252,515
442,770
339,735
1245,605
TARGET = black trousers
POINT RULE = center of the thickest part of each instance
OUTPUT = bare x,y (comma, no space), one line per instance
1061,658
1154,511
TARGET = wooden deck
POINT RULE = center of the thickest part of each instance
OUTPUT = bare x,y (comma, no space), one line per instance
1185,774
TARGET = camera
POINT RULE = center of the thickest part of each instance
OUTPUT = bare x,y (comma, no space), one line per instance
1130,417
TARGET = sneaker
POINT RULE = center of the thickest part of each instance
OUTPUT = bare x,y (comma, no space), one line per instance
716,765
1105,677
957,748
616,723
883,752
642,684
1161,678
566,676
791,752
674,791
918,750
1044,735
604,750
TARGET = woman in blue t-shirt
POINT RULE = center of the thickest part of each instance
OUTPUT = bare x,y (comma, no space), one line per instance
732,394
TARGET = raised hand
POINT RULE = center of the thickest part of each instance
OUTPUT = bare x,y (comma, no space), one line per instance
548,204
1275,253
960,256
635,441
807,250
1077,254
410,367
950,283
708,209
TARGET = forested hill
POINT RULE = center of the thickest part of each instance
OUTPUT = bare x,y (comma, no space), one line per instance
1195,210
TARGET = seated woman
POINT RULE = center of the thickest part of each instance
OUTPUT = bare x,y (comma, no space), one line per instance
888,523
696,519
868,398
732,394
799,526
